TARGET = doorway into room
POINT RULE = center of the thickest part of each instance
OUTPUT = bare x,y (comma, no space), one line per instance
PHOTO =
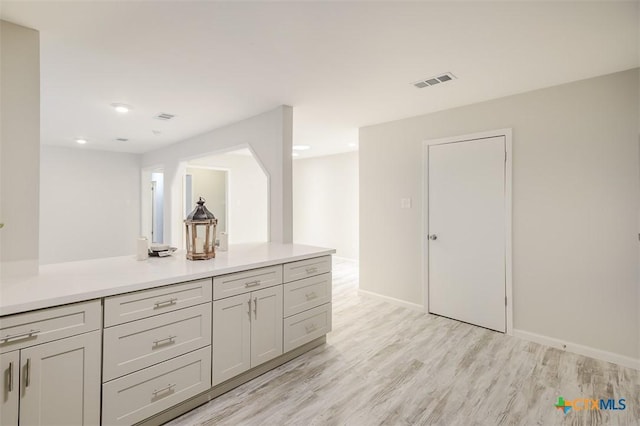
236,190
152,205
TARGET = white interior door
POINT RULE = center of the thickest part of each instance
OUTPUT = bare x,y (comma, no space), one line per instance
466,223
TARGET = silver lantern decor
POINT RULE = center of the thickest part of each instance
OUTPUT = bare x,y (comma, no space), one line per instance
201,233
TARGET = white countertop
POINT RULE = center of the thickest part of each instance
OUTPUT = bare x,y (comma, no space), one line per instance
62,283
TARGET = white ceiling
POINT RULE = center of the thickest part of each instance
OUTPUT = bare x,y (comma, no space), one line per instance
340,65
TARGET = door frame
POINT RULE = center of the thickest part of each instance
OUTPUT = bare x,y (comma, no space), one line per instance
507,134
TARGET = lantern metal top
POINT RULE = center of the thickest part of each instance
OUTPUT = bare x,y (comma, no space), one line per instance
200,213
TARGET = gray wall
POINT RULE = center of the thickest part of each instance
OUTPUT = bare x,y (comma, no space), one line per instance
325,202
270,137
576,182
212,186
19,147
89,204
247,197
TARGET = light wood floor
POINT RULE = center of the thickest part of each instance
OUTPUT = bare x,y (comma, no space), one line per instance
383,364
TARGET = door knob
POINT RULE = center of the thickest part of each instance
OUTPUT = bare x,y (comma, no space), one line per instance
433,237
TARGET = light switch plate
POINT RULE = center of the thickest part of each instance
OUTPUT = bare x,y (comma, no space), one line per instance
405,203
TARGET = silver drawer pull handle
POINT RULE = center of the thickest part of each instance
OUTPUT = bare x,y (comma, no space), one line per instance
27,373
252,283
26,335
255,307
10,377
311,270
169,387
166,341
311,295
310,328
165,303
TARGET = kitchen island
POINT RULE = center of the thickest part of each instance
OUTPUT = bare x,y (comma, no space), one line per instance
144,341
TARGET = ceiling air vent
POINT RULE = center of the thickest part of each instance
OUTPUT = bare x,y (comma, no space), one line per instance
432,81
164,116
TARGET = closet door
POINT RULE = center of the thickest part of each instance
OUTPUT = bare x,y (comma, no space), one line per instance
467,228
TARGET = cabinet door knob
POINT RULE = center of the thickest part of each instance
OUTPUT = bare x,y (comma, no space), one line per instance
433,237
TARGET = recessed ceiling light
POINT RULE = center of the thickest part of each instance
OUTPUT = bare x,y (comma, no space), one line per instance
295,154
121,108
301,147
81,141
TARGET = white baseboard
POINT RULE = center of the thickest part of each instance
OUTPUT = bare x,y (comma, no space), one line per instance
392,300
578,349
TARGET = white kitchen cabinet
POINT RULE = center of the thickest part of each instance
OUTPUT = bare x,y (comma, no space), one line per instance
150,354
307,301
157,350
306,326
46,325
231,337
242,282
138,344
266,325
134,397
56,383
307,293
306,268
9,366
147,303
247,331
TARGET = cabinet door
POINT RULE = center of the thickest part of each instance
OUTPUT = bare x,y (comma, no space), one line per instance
9,366
60,382
231,337
266,325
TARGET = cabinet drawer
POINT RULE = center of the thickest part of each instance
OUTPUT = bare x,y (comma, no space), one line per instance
244,282
143,304
306,268
305,294
36,327
306,326
139,344
135,397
